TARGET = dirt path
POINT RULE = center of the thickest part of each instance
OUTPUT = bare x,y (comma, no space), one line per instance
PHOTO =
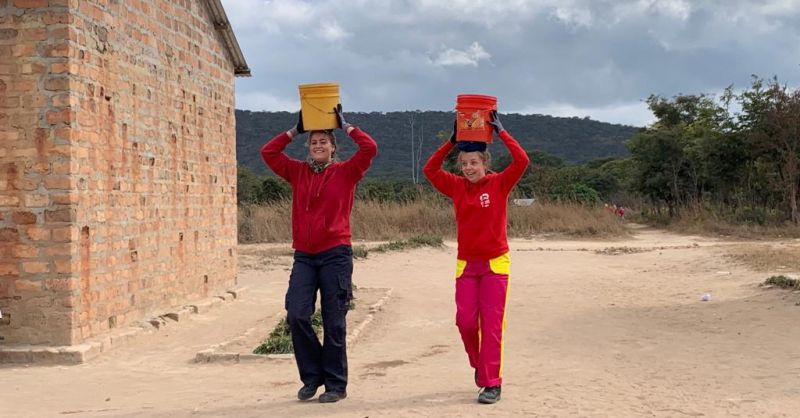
595,329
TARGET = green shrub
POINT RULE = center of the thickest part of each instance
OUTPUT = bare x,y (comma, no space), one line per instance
783,282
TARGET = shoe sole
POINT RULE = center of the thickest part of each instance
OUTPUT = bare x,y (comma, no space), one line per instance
488,401
326,400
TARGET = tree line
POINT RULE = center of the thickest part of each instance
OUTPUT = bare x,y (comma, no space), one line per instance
737,155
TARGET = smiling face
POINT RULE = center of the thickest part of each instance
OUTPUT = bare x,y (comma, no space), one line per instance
321,146
473,165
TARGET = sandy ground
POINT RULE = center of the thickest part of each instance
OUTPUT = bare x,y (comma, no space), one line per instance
595,329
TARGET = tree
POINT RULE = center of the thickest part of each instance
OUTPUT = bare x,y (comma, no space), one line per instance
771,117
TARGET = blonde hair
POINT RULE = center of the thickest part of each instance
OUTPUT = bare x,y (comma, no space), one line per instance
485,156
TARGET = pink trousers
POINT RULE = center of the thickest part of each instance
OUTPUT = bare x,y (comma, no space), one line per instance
481,291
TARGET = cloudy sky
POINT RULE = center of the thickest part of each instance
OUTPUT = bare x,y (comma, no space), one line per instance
596,58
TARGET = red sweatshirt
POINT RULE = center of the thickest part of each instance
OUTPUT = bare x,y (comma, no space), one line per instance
480,207
321,202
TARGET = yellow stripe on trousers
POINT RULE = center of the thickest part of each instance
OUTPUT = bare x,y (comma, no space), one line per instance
502,265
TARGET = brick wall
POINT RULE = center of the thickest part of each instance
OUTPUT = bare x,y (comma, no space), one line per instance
118,169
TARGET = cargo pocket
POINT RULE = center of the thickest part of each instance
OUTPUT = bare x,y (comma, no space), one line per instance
345,291
460,266
501,264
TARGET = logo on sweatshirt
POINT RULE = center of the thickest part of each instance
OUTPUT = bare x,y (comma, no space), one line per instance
485,202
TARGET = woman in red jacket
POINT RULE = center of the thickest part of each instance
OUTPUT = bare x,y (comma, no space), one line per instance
322,198
480,200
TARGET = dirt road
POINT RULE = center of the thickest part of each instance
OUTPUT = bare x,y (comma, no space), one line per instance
595,329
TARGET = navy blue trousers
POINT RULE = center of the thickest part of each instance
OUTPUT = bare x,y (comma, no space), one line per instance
329,272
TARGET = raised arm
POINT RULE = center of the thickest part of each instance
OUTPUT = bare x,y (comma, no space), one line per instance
440,179
276,160
519,158
367,147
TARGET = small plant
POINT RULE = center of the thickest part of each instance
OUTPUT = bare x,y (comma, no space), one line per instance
783,282
426,240
279,340
360,251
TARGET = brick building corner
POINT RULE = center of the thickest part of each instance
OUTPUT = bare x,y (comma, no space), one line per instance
117,163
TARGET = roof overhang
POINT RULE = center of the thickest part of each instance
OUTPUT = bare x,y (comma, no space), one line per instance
223,26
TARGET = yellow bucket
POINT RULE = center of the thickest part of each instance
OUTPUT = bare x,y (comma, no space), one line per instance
317,102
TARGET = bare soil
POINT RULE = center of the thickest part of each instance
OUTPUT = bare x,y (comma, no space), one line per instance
595,329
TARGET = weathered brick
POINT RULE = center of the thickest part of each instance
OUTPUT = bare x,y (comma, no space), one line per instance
36,233
9,234
56,84
55,117
9,200
29,4
56,250
60,215
59,183
25,251
21,285
33,34
23,218
35,267
65,198
66,265
57,50
6,34
7,269
65,234
61,284
36,200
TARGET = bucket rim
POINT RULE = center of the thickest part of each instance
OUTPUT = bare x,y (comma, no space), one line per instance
478,97
317,85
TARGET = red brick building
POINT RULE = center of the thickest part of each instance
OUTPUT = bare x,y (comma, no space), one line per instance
117,163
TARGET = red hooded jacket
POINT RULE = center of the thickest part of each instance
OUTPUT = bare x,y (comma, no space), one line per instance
321,202
480,207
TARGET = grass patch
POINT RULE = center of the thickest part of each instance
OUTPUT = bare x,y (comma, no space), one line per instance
783,282
279,341
413,242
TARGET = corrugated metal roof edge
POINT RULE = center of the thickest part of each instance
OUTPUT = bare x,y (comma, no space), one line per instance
223,26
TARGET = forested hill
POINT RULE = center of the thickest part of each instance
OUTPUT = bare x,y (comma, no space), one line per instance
572,139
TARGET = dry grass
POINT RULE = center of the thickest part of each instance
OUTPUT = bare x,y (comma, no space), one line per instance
698,220
270,223
563,218
767,257
374,221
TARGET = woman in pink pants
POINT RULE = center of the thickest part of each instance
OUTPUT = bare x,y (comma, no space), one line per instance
480,202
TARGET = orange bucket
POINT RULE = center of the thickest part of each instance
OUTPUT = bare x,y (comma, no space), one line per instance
473,113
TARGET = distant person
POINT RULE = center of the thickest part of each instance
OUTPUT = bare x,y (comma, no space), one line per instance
620,211
322,198
482,268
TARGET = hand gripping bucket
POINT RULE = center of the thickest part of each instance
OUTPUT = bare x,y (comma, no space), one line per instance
317,102
473,113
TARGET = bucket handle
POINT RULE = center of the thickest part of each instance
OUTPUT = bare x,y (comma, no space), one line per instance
330,112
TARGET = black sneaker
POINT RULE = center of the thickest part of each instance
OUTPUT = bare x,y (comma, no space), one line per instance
330,396
307,392
489,395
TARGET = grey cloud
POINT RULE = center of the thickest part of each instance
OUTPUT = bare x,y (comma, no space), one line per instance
580,54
